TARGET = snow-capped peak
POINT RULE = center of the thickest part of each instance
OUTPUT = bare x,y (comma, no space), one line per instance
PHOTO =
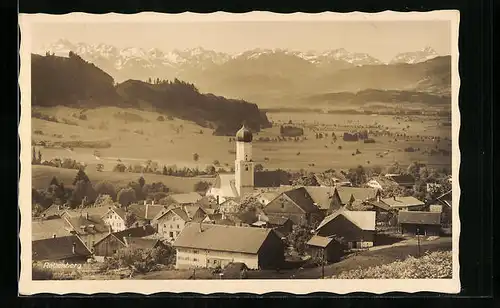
413,57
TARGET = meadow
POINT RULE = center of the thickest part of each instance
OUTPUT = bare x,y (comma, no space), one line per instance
140,136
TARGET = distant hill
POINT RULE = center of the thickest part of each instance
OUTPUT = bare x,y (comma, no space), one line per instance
74,82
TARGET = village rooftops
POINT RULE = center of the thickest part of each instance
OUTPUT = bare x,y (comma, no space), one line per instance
365,220
59,248
145,211
222,238
48,228
136,232
419,218
402,202
358,193
322,196
140,243
302,199
402,179
319,241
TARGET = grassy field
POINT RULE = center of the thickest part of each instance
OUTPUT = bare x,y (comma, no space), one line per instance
42,175
175,141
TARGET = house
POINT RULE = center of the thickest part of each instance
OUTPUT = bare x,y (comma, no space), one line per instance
404,203
115,217
325,248
445,201
144,212
89,228
385,215
210,245
354,228
420,223
381,183
350,196
219,219
402,180
65,248
265,197
172,222
53,211
229,206
112,242
282,225
326,198
42,228
295,204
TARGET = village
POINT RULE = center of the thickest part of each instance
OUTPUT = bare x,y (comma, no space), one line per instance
248,224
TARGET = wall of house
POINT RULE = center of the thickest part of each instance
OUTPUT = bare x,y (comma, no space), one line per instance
283,206
170,226
428,230
116,222
341,226
108,246
90,239
272,252
192,258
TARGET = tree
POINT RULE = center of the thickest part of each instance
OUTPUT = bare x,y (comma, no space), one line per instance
39,160
210,170
54,181
216,163
142,181
33,157
137,189
105,188
357,176
83,193
99,167
201,186
298,238
130,219
126,196
259,167
119,168
103,201
81,176
196,156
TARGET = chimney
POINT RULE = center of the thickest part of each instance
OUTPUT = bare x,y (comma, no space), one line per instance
146,212
73,249
259,218
145,202
58,207
87,215
152,202
394,197
54,235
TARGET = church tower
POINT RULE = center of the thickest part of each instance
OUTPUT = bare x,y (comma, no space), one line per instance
243,166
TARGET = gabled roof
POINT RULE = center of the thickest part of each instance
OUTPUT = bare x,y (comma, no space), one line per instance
424,218
403,179
119,211
359,193
277,220
383,181
380,205
58,248
47,228
319,241
141,243
222,238
192,209
82,225
92,211
136,232
322,196
365,220
186,198
53,210
302,199
181,213
268,195
146,211
401,202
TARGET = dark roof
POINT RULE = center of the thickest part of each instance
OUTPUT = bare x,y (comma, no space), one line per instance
302,199
141,243
274,178
135,232
359,193
277,220
58,248
380,205
146,211
423,218
403,179
222,238
321,195
244,134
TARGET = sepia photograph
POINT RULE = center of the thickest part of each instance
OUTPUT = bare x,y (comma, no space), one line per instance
250,152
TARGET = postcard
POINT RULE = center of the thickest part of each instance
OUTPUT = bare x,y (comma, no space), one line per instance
228,153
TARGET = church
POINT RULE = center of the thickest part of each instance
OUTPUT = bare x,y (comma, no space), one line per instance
245,180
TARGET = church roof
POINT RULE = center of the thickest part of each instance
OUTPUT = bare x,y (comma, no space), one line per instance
244,135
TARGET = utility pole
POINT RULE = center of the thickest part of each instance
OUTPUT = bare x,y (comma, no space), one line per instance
323,265
418,241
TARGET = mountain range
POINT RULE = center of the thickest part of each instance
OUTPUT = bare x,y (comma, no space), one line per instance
269,77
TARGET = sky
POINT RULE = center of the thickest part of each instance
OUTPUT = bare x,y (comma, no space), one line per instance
381,39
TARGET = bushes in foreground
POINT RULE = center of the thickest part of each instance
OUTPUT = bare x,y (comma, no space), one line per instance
435,265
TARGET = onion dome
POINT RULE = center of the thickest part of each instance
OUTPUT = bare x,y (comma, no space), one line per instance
244,135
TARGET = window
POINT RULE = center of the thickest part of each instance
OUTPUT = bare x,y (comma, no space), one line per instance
177,226
171,234
282,205
246,168
195,251
194,259
164,225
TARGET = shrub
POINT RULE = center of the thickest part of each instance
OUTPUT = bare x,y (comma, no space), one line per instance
160,118
435,265
201,186
140,260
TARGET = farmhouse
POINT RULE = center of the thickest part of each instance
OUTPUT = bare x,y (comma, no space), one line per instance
209,245
115,218
111,243
42,228
282,225
354,228
419,223
404,203
295,204
144,212
66,248
89,229
172,222
327,199
325,248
